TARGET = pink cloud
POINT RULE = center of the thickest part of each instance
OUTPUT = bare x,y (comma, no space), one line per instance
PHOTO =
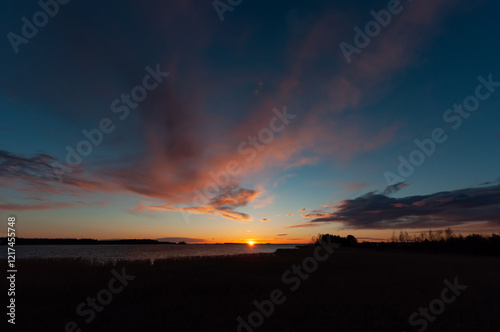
180,158
223,205
314,215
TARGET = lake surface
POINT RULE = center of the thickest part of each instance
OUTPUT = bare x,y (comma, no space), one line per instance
138,252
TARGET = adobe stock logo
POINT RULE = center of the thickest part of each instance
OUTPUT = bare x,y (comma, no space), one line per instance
29,29
221,7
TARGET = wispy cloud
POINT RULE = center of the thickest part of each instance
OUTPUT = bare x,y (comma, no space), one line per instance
37,176
302,226
394,188
223,204
176,150
313,214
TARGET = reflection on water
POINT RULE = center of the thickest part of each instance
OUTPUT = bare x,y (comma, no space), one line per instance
137,252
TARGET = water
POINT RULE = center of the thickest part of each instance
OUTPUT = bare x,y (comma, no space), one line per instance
138,252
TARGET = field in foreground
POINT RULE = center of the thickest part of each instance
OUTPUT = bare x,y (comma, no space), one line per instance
353,290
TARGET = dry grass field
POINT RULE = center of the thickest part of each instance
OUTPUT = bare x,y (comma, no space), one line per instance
353,290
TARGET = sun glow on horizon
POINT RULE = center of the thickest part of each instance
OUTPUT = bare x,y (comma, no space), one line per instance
251,243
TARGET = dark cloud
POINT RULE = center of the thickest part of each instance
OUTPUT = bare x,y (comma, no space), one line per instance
489,183
394,188
39,167
281,234
442,209
39,178
43,174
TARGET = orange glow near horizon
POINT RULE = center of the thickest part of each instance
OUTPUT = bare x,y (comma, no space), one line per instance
251,243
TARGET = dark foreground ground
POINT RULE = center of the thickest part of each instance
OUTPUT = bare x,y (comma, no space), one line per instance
353,290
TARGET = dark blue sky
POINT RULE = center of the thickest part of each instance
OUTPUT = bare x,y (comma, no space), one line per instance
226,130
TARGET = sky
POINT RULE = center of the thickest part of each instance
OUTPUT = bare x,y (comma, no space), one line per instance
231,121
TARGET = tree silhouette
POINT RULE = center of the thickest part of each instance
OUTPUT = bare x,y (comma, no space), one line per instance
348,241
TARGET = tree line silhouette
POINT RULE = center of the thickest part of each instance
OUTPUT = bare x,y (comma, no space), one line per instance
437,241
37,241
446,241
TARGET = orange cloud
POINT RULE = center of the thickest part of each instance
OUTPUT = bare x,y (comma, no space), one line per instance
223,204
302,226
314,214
180,159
